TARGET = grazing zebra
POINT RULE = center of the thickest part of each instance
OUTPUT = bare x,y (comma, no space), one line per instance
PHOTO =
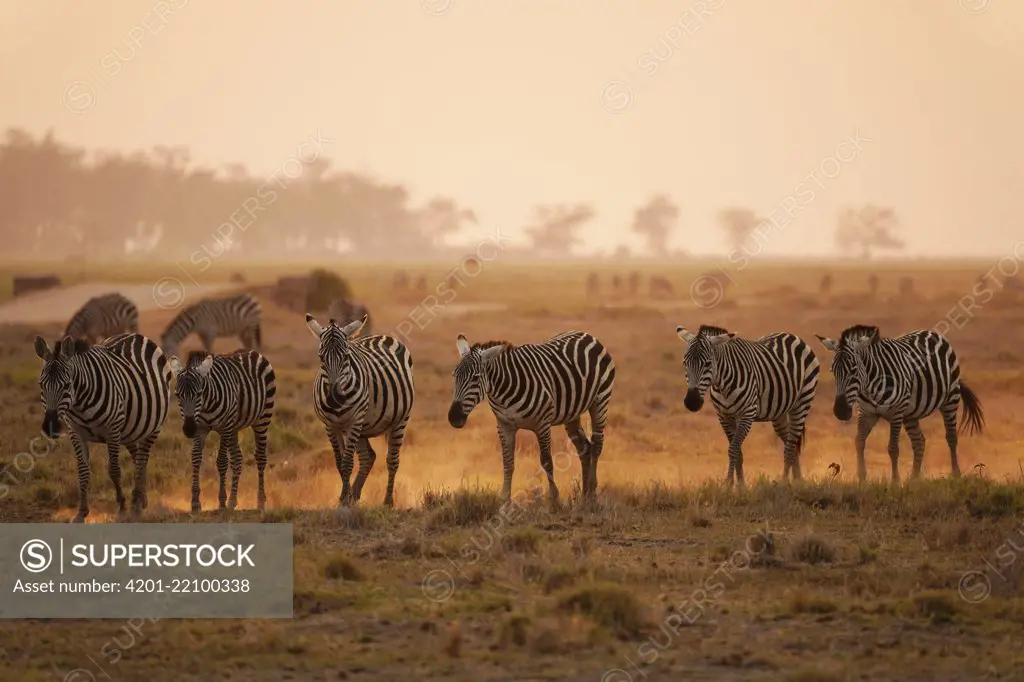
349,311
117,392
770,379
535,387
225,393
212,318
364,388
901,380
103,316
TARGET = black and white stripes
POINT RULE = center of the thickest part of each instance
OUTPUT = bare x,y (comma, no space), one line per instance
770,379
901,380
535,387
213,318
117,392
103,316
225,394
364,388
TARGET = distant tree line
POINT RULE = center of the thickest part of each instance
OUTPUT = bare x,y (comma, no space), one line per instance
57,200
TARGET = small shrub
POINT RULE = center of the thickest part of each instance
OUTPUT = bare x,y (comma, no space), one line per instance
938,607
612,606
514,630
324,288
467,508
811,549
343,568
558,579
525,541
804,604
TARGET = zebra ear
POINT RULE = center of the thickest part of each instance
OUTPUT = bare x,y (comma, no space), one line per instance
492,352
175,364
204,367
314,326
685,335
722,338
352,328
463,345
67,347
829,344
42,350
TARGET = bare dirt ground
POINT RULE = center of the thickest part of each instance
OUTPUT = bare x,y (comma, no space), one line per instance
670,577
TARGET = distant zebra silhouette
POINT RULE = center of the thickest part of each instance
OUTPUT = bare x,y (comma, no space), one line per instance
770,379
213,318
901,380
226,394
593,284
102,317
660,287
634,283
825,286
535,387
117,393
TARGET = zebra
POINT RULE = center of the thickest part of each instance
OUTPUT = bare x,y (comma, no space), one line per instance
347,311
769,379
363,389
103,316
226,393
211,318
901,380
535,387
116,392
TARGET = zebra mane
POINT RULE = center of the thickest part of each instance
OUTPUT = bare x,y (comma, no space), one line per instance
711,330
491,344
195,358
859,330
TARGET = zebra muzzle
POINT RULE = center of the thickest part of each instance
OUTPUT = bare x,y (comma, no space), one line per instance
51,424
693,400
188,427
842,409
456,417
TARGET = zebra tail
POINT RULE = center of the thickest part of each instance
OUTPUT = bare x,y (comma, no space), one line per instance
974,417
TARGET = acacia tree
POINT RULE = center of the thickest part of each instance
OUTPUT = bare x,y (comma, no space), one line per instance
555,230
861,231
738,224
654,221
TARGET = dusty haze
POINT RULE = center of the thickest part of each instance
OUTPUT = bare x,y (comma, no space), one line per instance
508,105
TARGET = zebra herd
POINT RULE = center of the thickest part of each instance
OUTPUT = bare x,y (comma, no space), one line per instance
117,392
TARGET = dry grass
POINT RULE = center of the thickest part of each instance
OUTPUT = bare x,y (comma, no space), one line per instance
820,580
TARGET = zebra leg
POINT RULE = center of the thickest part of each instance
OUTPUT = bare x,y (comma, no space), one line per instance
895,428
207,340
917,443
367,457
395,439
729,426
949,421
260,435
140,456
82,457
197,460
546,463
743,425
222,470
579,440
865,422
114,470
598,420
235,451
781,426
342,460
507,436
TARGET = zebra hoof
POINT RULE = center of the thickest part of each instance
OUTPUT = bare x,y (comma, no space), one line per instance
78,519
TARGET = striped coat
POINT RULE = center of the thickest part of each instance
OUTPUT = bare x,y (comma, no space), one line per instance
536,387
363,389
226,394
213,318
901,380
770,379
117,393
103,316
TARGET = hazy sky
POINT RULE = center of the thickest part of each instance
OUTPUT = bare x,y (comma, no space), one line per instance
500,105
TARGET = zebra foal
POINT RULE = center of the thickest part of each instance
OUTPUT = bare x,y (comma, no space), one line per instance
225,394
117,393
901,380
212,318
535,387
103,316
363,389
770,379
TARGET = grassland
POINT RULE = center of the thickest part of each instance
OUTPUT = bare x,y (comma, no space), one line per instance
670,577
